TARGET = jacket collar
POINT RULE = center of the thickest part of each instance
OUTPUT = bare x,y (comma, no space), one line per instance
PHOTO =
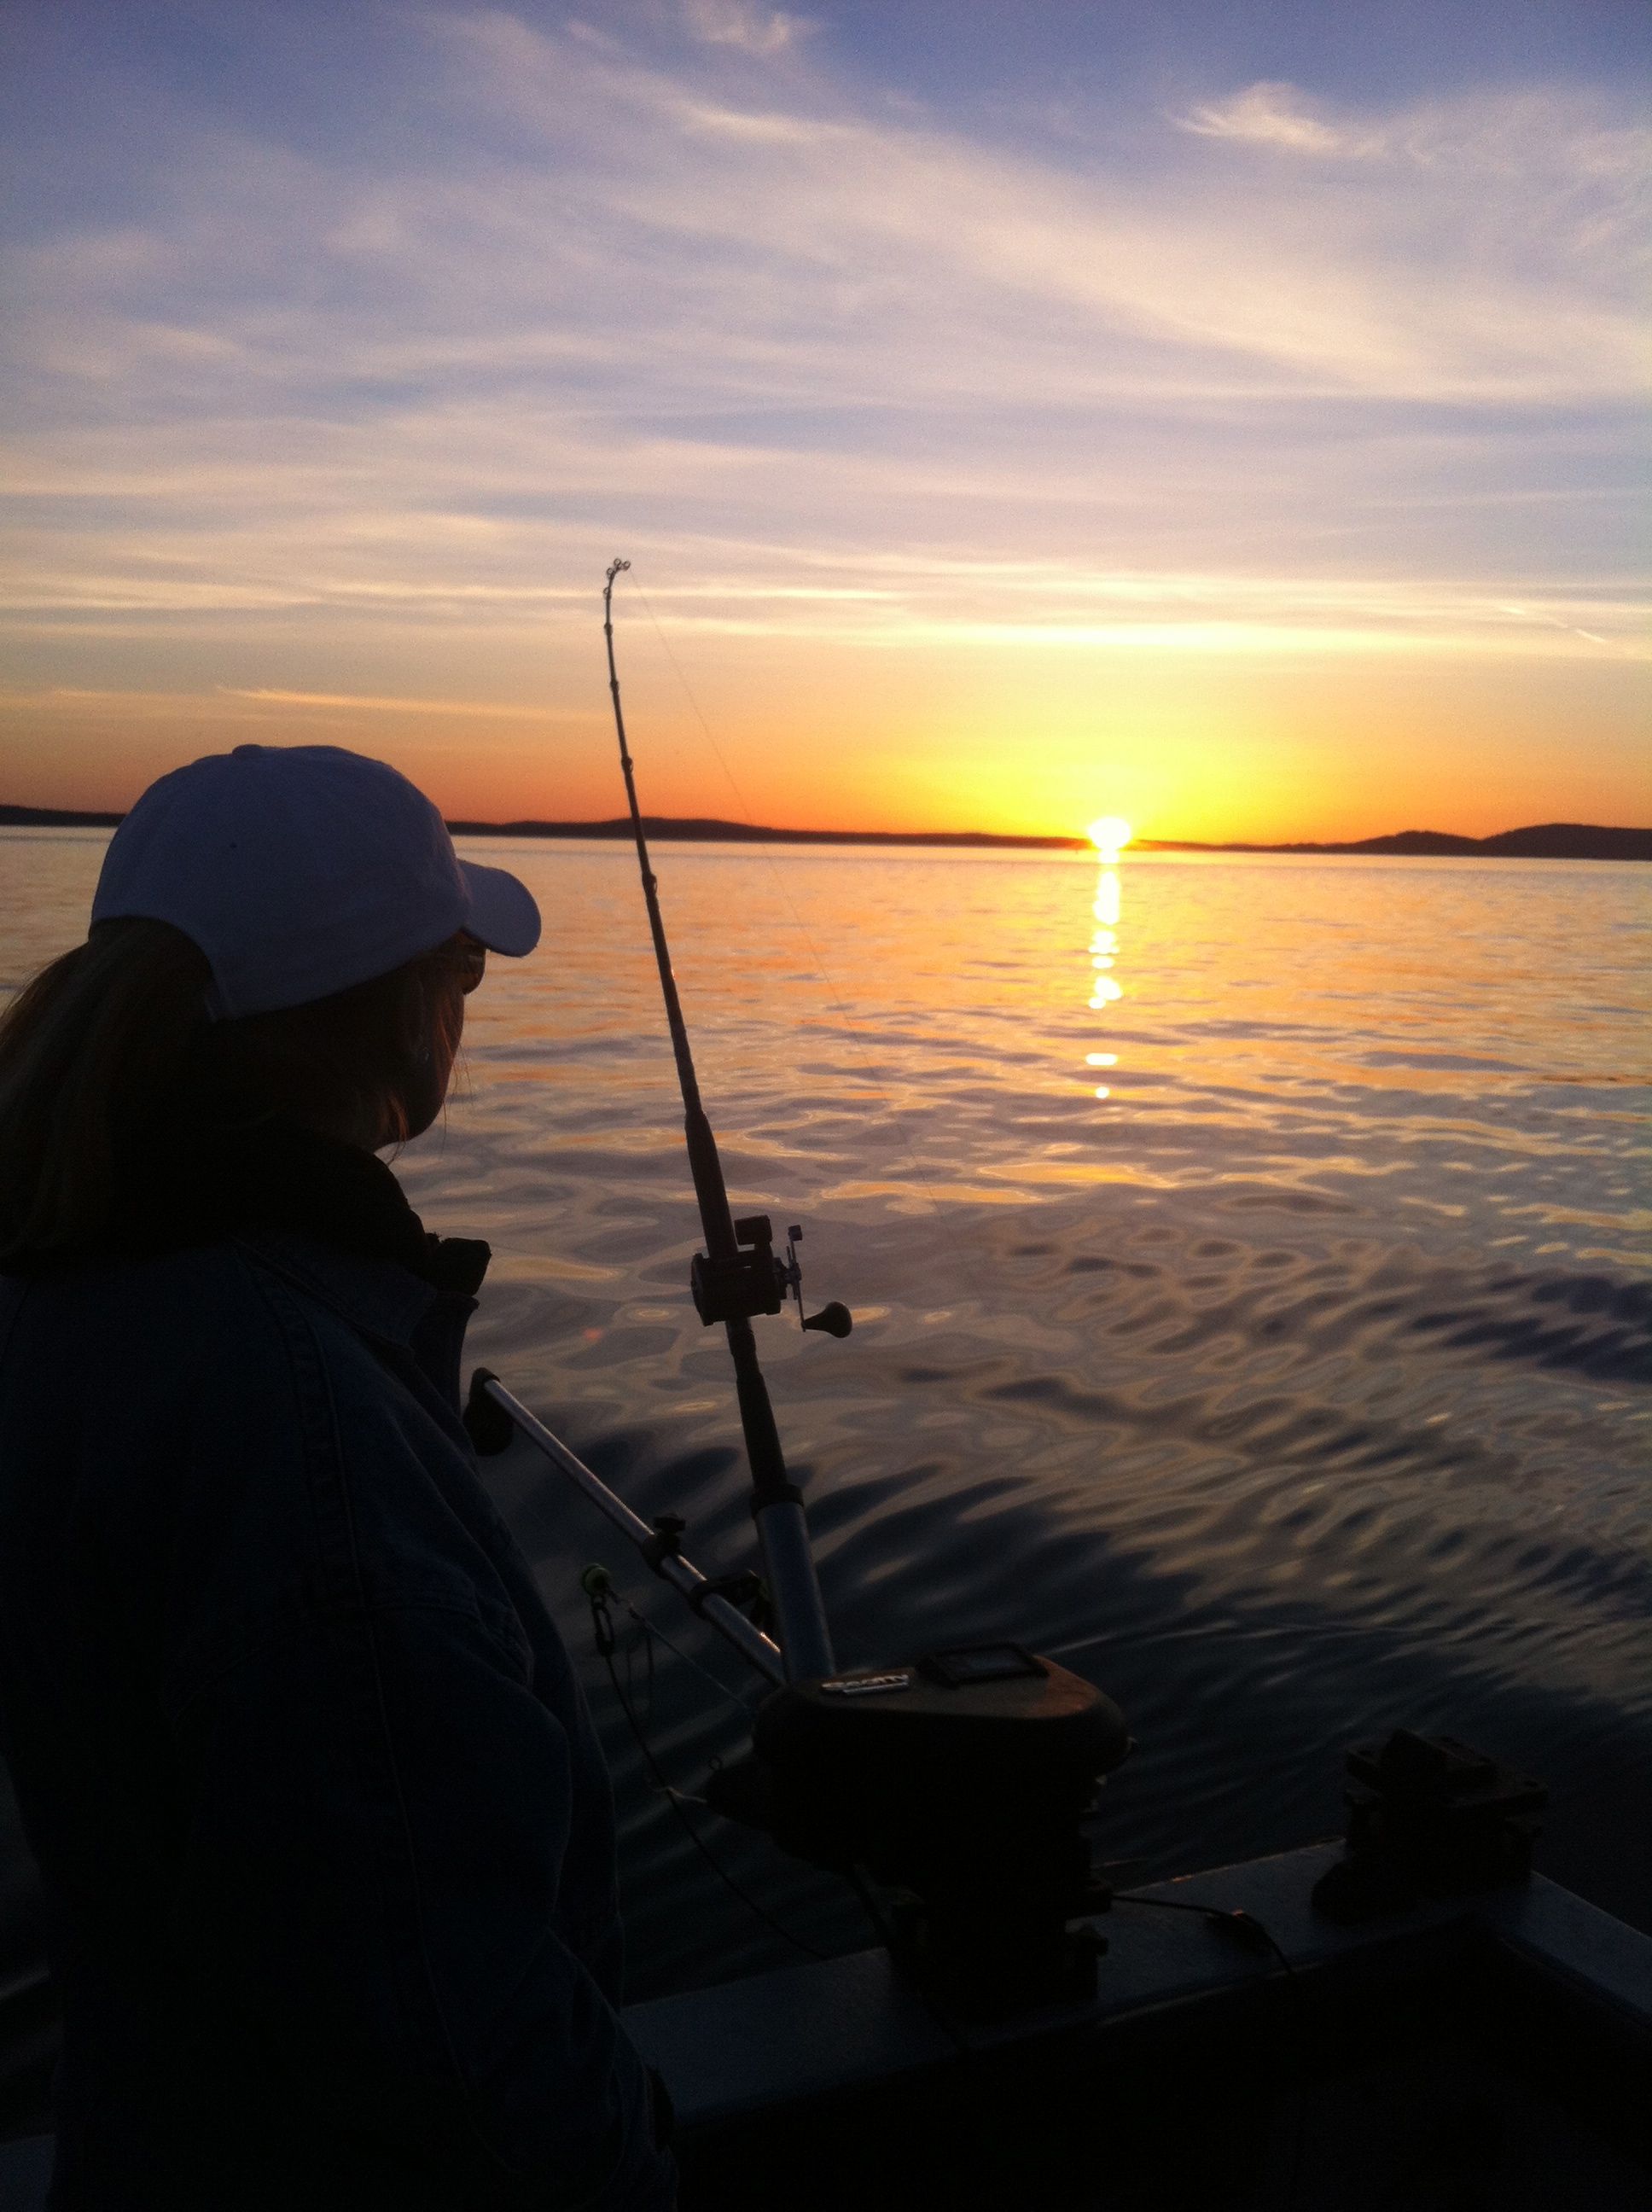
322,1211
379,1298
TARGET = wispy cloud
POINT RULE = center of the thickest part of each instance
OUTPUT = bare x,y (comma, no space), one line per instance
800,252
358,702
950,260
1277,115
1546,142
761,31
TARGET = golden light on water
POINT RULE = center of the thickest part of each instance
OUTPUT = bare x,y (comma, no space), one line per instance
1109,836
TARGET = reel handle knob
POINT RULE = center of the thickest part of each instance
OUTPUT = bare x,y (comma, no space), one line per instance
835,1320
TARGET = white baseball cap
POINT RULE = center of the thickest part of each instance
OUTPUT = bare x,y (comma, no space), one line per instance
301,870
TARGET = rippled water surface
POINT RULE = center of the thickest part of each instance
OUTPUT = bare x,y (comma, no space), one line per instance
1249,1264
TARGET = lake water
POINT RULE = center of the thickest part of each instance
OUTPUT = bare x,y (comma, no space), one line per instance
1248,1258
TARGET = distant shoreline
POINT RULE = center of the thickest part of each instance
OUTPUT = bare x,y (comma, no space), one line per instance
1547,840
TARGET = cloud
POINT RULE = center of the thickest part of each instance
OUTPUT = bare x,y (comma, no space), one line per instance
942,257
423,532
760,31
832,372
1549,144
1276,115
445,709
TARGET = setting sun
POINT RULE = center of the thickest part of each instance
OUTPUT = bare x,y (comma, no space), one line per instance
1109,836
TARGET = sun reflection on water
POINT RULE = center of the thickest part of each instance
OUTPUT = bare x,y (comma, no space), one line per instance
1105,988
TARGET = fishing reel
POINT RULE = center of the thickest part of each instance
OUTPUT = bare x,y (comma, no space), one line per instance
960,1783
753,1281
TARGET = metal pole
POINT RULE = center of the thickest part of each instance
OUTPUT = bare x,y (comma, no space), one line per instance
776,1502
761,1651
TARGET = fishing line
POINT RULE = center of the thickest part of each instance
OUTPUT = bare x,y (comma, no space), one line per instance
1244,1928
648,1644
962,2049
650,1628
821,971
602,1628
1118,1640
679,1800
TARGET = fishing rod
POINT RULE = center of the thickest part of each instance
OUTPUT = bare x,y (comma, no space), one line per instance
736,1277
961,1780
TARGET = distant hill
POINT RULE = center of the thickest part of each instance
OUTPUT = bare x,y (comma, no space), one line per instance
706,829
1546,840
54,817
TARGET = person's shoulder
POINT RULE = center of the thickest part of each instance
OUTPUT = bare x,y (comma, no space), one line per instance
139,1291
131,1380
134,1340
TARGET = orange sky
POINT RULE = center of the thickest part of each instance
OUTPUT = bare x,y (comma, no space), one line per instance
1022,738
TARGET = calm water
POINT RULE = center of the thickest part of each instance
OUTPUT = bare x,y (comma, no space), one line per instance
1249,1261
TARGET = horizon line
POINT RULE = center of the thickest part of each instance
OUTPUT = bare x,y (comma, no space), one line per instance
1586,841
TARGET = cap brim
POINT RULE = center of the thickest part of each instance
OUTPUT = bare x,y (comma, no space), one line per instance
503,912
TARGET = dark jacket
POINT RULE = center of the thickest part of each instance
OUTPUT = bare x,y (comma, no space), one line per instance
324,1833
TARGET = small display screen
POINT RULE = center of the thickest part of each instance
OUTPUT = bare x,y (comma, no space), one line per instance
982,1663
